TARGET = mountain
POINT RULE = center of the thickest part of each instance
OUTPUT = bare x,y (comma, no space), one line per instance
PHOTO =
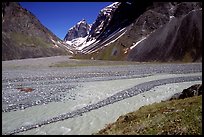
81,29
23,36
102,21
180,39
81,33
146,31
77,34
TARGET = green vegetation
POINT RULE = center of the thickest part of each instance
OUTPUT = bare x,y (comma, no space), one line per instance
81,63
29,41
114,52
187,57
88,62
176,117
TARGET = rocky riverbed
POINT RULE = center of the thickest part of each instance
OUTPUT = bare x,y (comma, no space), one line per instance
69,87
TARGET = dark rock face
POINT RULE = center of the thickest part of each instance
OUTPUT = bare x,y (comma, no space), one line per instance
194,90
148,32
81,29
122,15
169,43
23,36
185,7
102,21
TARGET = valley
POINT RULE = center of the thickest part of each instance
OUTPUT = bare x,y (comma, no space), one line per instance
132,55
67,95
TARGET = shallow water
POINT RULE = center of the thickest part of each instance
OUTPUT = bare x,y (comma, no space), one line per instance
93,121
86,93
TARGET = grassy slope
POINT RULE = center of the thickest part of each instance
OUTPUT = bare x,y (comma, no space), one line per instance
31,41
19,46
182,116
105,54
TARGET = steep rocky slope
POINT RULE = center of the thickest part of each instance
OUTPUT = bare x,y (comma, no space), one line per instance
77,34
180,40
23,36
143,31
81,29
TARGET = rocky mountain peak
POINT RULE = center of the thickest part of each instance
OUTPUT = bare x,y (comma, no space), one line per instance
81,29
83,21
103,20
109,9
146,31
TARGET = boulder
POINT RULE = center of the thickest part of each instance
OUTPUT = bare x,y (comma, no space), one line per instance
194,90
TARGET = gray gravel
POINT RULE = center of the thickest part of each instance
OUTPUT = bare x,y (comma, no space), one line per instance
112,99
52,84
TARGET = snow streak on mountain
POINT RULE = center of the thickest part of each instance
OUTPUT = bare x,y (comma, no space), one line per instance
147,31
83,34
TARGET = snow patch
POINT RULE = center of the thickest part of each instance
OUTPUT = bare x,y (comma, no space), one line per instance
86,44
81,22
171,17
113,5
113,34
110,37
138,42
53,40
71,52
109,9
128,3
76,42
115,39
55,46
69,42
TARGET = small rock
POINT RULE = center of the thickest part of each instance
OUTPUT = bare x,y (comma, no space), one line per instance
26,89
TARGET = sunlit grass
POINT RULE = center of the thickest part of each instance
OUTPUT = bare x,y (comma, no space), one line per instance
180,117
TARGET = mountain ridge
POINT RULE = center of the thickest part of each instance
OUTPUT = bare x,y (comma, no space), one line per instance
132,31
117,41
81,29
23,36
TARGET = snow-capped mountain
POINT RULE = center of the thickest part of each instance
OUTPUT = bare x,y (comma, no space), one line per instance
78,33
102,21
83,34
121,29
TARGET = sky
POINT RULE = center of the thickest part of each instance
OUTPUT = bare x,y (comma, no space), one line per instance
58,17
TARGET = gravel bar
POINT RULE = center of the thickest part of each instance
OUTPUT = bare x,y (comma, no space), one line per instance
110,100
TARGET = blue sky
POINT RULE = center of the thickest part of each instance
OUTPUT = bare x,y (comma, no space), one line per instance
60,16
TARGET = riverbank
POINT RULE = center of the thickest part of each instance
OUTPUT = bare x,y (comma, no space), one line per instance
176,117
64,97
